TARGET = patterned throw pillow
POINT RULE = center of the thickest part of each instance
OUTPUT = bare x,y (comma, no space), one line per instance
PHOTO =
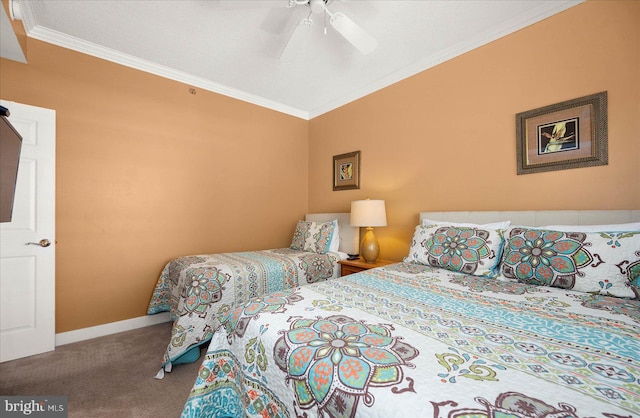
473,251
313,236
606,263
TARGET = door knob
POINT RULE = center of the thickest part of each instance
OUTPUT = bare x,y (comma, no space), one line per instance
42,243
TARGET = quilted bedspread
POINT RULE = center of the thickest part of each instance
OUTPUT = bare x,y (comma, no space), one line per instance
195,288
408,340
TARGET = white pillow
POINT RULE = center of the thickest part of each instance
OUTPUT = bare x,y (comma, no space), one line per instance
492,225
334,245
635,226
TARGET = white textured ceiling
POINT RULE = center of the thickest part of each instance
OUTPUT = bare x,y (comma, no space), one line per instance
233,50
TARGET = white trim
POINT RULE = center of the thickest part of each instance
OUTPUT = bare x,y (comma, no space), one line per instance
505,28
36,31
111,328
88,48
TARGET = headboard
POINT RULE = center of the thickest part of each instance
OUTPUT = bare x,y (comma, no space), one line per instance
539,217
349,235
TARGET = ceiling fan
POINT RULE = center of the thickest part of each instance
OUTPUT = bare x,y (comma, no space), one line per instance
319,9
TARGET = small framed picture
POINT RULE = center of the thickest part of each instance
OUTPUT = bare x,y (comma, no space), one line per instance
346,171
565,135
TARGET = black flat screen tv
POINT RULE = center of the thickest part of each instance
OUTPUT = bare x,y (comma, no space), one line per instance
10,147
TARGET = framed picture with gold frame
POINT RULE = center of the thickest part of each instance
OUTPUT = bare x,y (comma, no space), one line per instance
564,135
346,171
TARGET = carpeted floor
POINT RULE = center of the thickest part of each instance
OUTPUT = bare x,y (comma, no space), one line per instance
106,377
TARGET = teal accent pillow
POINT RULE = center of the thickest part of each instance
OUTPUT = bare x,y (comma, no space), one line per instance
313,236
467,250
605,263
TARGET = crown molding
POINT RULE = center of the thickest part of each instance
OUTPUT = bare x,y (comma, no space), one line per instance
497,32
37,32
69,42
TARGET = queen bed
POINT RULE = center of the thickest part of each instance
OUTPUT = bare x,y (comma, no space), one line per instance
481,319
195,288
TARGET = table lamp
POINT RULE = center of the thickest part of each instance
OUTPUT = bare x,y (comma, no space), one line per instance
368,213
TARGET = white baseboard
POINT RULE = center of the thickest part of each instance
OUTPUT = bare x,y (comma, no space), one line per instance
111,328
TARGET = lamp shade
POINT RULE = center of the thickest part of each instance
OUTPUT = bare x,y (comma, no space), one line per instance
368,213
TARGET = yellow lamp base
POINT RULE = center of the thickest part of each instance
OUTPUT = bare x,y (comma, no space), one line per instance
369,248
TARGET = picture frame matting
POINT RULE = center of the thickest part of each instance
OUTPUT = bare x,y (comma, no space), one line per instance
565,135
346,171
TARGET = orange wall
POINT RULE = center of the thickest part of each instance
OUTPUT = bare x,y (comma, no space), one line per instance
444,139
147,172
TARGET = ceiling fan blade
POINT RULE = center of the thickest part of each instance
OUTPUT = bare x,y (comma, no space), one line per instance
353,33
277,20
295,41
252,4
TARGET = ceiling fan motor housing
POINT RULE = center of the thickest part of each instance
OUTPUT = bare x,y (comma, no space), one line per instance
317,6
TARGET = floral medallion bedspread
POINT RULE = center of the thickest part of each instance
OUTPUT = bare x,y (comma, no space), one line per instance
408,340
195,288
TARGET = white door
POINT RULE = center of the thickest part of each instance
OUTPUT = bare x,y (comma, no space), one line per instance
27,271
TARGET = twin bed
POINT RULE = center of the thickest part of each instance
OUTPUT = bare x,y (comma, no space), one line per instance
195,288
479,320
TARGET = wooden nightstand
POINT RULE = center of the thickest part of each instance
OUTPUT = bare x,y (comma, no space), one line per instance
355,266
